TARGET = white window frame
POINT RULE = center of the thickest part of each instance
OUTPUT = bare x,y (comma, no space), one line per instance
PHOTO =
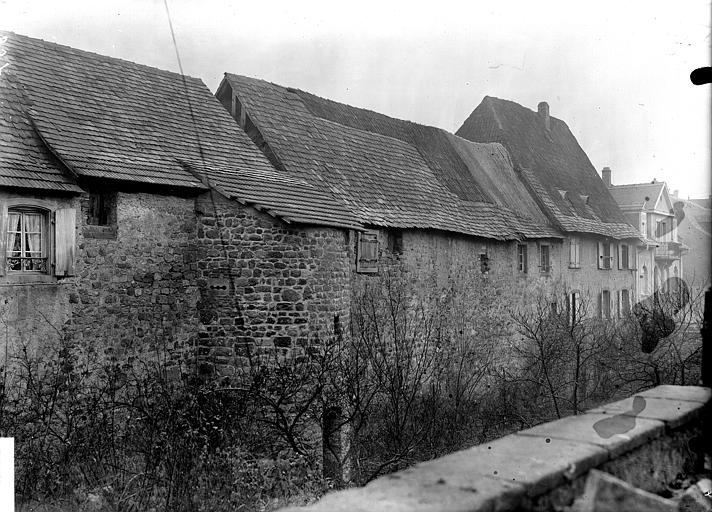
605,262
45,261
58,242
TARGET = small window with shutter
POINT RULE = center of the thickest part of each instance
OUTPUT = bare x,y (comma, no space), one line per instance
367,252
26,240
29,246
605,259
99,208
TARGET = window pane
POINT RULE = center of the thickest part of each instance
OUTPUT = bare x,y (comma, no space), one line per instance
14,241
33,222
33,245
35,264
13,222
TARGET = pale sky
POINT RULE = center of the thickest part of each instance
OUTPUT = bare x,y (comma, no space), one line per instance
616,72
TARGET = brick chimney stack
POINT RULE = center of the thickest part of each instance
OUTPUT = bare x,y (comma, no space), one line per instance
606,175
544,113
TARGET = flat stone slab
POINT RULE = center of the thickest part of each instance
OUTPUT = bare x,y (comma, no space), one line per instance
404,495
534,463
687,393
671,411
616,433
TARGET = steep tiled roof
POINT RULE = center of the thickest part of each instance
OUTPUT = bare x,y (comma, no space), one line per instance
391,172
552,164
640,195
112,119
24,160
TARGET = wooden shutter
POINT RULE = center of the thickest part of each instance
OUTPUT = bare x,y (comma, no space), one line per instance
600,305
64,241
632,257
367,252
620,256
600,255
3,238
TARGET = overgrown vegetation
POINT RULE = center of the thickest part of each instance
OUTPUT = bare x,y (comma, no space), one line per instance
411,375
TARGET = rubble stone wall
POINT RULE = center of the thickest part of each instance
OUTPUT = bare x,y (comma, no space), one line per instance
265,285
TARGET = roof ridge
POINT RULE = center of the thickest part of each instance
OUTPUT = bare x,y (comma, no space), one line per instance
639,184
322,98
99,56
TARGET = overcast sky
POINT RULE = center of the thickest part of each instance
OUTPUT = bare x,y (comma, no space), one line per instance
616,72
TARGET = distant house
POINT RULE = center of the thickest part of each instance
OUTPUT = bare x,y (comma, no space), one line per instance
694,230
599,247
649,206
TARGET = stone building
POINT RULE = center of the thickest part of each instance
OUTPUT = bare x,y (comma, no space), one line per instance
440,203
598,247
649,207
135,213
694,230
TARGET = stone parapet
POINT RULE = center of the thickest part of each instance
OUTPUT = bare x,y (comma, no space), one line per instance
644,440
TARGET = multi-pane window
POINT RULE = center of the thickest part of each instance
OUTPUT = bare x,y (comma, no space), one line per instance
605,305
575,252
624,256
625,303
544,259
26,240
604,255
522,257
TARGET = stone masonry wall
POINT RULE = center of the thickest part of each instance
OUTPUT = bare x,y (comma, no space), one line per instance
134,283
265,286
435,258
137,290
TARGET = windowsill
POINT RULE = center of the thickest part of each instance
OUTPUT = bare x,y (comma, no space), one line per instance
575,267
19,278
100,232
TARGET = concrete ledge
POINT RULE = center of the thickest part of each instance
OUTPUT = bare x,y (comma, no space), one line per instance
524,468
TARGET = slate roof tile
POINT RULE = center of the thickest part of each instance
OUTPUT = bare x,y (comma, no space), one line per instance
549,161
113,119
642,195
390,172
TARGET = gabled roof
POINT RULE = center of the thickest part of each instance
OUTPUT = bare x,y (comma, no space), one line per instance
642,196
550,161
390,172
110,119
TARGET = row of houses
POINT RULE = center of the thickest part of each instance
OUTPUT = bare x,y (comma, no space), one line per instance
138,207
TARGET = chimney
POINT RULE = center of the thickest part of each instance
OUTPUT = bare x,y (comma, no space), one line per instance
606,175
544,113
